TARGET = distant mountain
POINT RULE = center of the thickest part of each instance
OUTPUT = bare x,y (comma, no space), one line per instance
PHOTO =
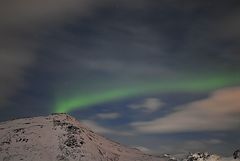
60,137
204,157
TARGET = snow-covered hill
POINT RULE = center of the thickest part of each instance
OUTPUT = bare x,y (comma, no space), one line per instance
60,137
201,157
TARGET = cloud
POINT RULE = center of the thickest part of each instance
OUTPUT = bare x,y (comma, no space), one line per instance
123,67
103,130
96,128
108,115
126,50
24,25
218,112
16,55
143,149
183,147
29,12
148,105
215,141
22,28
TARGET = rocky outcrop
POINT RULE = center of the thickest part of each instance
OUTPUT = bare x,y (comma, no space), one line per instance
236,154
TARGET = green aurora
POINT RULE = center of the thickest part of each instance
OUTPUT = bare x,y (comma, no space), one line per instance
195,84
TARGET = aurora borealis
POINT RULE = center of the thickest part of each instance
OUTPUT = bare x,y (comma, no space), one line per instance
163,75
207,84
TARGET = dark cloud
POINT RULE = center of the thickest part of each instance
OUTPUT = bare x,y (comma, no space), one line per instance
16,54
30,13
22,27
118,40
122,39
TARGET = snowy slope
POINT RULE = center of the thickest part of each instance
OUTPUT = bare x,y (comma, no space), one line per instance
60,137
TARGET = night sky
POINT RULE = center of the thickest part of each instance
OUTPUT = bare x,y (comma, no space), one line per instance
160,75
